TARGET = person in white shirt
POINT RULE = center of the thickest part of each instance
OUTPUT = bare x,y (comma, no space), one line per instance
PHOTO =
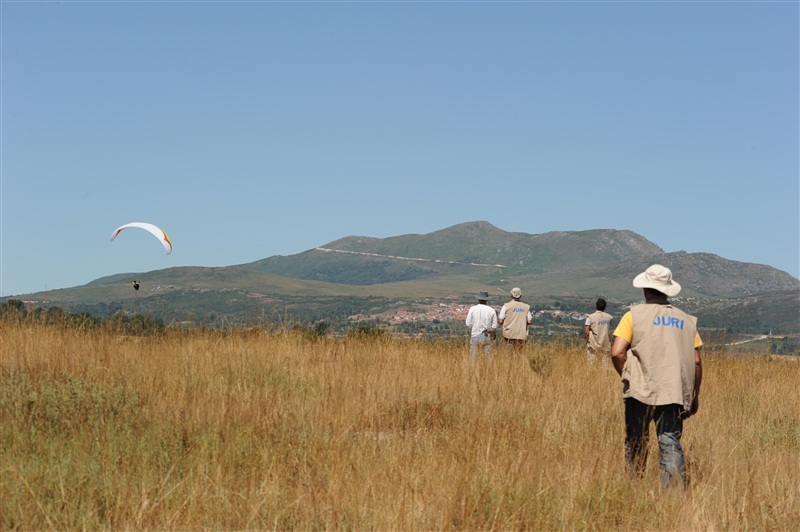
481,322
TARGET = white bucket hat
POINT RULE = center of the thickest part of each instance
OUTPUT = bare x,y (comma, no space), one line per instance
516,293
659,278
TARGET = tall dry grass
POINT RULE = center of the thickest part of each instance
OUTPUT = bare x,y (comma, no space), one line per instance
274,431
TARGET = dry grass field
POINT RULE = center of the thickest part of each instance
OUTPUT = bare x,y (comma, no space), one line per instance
250,431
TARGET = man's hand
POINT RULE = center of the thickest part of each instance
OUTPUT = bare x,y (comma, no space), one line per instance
693,410
698,378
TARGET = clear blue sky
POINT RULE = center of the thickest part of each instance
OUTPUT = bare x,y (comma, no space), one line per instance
253,129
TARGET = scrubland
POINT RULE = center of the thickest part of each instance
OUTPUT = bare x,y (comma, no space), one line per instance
254,430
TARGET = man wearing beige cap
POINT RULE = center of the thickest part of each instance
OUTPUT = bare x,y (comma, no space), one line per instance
515,317
656,351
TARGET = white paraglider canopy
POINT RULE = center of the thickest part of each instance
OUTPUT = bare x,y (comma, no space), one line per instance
156,231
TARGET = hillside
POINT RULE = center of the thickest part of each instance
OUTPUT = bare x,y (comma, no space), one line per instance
573,262
477,249
371,276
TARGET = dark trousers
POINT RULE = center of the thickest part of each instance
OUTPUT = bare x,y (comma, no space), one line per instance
669,426
517,345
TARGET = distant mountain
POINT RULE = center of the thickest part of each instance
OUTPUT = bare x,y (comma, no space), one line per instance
481,242
359,274
476,249
483,252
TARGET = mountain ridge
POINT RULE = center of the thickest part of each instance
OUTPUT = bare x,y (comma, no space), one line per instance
486,252
448,264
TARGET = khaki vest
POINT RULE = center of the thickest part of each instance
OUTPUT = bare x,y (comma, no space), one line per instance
660,365
599,323
515,323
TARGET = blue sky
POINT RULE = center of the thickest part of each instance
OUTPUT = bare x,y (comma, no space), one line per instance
253,129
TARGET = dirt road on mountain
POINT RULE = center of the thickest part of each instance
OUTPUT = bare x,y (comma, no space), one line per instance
328,250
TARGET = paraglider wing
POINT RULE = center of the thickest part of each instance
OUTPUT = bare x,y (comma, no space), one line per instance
156,231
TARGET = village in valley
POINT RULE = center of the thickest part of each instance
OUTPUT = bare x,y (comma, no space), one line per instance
449,316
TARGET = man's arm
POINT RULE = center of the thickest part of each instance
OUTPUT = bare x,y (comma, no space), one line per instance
619,353
586,331
698,379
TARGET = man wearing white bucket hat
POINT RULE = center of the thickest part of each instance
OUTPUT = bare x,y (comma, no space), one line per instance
481,322
656,351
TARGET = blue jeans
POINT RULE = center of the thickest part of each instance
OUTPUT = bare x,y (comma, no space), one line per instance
669,426
482,341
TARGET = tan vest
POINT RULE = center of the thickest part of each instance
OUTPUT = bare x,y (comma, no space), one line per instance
599,323
660,365
515,323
